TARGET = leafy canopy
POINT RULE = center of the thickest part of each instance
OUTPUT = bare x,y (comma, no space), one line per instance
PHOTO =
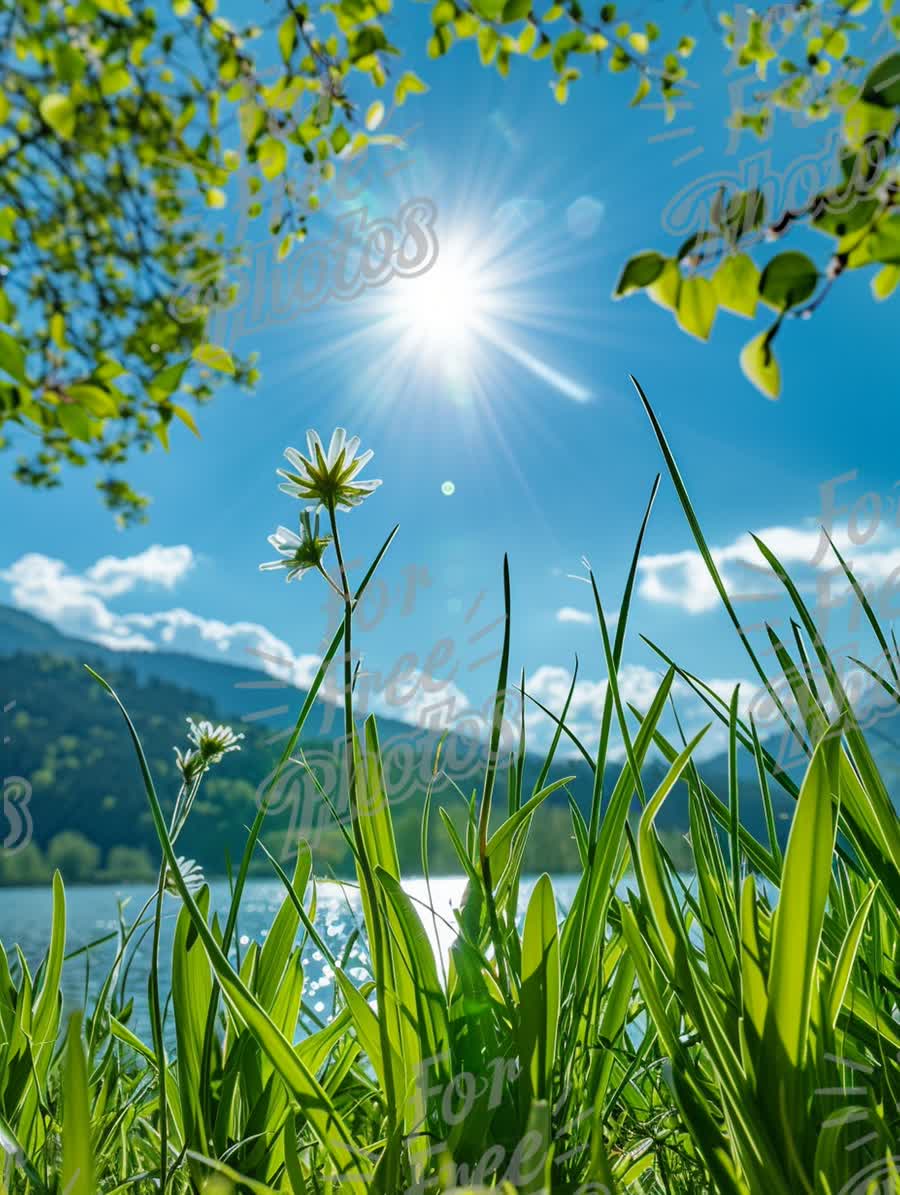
123,126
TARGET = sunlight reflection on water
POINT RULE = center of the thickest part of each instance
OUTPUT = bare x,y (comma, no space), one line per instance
91,914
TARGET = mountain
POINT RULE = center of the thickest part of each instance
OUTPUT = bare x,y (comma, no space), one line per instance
23,632
67,739
229,690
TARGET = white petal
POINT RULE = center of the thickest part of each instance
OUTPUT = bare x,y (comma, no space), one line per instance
291,487
351,448
289,537
336,447
270,564
358,464
294,457
313,443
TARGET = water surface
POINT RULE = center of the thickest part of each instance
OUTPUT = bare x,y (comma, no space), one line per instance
91,914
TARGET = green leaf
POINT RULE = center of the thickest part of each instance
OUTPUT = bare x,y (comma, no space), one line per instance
214,356
59,113
108,369
885,282
94,399
168,380
12,358
8,217
75,420
882,244
272,157
882,87
78,1159
643,90
58,330
251,119
420,989
539,999
492,10
186,418
665,290
409,83
639,273
191,991
115,78
276,950
837,45
339,138
760,366
374,115
788,279
800,913
697,306
46,1004
737,285
862,119
285,246
840,977
287,36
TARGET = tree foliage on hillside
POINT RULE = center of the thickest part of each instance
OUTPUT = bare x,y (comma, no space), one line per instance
123,125
86,798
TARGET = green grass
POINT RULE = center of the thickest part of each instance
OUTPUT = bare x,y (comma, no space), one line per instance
740,1035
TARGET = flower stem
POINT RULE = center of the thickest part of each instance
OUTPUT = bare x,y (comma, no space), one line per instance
183,804
366,876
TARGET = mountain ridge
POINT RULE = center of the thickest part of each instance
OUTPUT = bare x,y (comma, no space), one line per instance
36,653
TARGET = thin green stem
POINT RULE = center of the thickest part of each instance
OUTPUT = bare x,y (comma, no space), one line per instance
183,803
157,1026
368,879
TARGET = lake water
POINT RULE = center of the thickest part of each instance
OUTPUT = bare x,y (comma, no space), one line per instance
91,912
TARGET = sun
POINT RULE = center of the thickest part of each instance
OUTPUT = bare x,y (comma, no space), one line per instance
463,343
444,312
468,316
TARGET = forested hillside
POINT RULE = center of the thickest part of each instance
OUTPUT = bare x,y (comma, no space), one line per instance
88,807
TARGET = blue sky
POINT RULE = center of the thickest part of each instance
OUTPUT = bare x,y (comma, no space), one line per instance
548,450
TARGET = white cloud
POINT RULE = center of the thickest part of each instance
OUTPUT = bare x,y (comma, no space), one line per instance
638,686
574,614
76,603
550,684
112,575
682,579
246,643
434,704
571,614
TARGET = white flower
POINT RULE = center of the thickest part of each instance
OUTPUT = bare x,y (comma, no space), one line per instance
189,764
300,552
191,873
326,480
212,742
